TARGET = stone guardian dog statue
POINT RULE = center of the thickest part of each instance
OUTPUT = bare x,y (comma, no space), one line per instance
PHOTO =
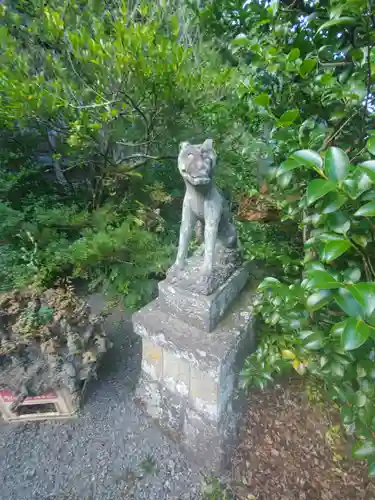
204,206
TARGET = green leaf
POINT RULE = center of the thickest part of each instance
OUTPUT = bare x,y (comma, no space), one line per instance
240,41
294,54
335,12
364,294
338,222
332,202
269,282
352,274
315,265
369,168
346,413
307,66
360,183
284,179
347,303
323,280
351,188
364,449
360,399
367,210
368,196
317,189
336,164
363,181
335,22
288,117
303,334
338,329
287,354
333,249
371,145
318,299
314,341
262,99
360,239
337,369
355,334
308,158
325,237
287,165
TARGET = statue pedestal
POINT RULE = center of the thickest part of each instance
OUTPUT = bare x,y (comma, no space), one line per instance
190,375
202,311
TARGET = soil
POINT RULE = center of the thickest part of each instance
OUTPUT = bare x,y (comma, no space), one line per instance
285,452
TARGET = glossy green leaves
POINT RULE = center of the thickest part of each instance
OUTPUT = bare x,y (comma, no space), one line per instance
317,189
288,118
336,164
364,294
308,158
355,333
333,249
369,168
337,22
318,299
364,449
367,210
262,99
332,202
307,66
348,303
322,279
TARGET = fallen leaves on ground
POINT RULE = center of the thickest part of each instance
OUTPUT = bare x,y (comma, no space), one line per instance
284,453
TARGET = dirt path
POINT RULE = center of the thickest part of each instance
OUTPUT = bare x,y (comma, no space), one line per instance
284,452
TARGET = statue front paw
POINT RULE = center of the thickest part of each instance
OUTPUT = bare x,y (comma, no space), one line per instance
206,275
206,280
176,268
206,271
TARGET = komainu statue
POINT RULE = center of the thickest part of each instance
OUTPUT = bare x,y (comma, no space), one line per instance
206,210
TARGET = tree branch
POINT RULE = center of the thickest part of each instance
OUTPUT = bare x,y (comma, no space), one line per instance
369,47
337,132
99,105
147,157
133,144
137,108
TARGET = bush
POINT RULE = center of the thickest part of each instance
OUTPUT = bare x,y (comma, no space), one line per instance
93,104
305,76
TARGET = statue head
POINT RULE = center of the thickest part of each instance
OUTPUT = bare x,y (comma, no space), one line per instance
196,162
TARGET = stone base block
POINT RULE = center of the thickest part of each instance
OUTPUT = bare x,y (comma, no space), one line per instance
202,311
190,378
225,263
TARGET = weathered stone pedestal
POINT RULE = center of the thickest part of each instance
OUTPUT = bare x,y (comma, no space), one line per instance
194,347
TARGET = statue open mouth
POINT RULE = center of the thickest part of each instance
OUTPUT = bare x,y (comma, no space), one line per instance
197,181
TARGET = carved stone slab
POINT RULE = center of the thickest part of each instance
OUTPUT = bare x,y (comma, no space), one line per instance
226,261
202,311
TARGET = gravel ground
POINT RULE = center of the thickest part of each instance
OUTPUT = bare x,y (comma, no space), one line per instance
112,451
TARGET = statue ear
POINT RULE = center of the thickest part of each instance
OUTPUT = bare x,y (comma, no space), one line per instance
207,145
183,145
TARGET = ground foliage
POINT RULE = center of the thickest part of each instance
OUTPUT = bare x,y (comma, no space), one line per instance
292,449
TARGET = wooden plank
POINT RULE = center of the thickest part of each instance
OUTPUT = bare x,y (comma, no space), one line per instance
61,399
